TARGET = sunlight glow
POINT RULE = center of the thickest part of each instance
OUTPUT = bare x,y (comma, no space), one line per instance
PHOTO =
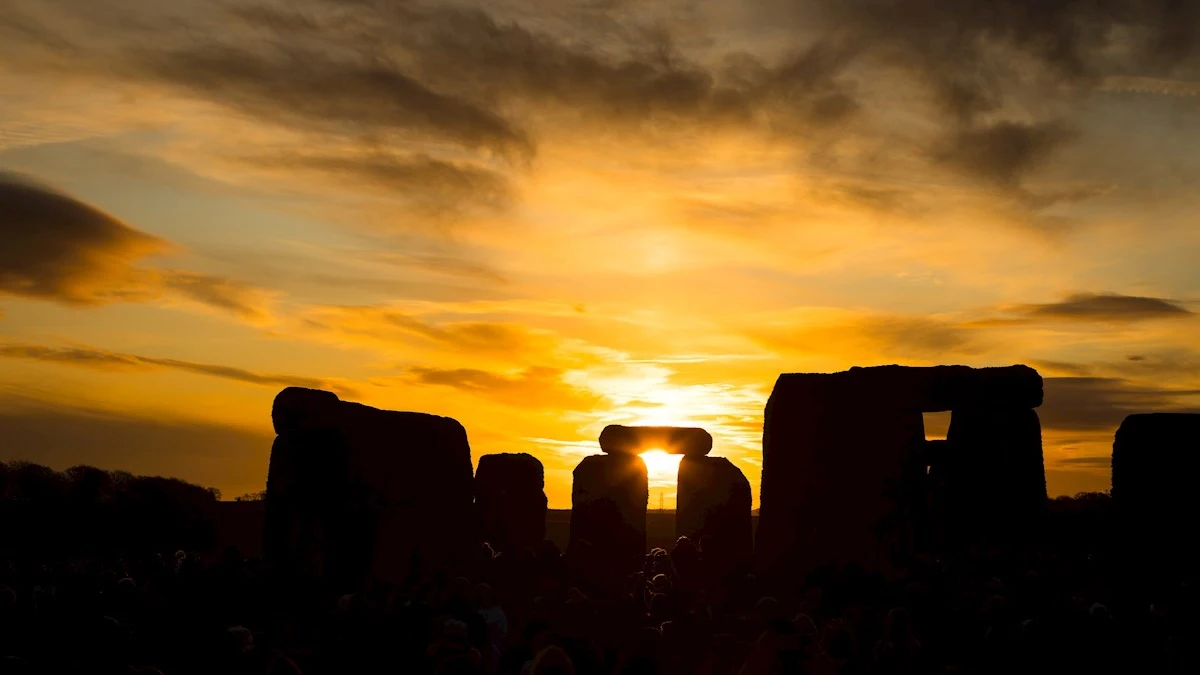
662,469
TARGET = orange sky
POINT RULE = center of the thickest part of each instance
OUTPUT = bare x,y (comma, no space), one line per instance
543,217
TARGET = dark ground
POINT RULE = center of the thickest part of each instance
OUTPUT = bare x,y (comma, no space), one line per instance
240,524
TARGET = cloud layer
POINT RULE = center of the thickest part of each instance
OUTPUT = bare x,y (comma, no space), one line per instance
61,249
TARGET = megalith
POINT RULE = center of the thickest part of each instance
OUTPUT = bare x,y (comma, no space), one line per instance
621,440
996,481
510,500
834,469
714,501
847,471
1155,460
609,495
351,490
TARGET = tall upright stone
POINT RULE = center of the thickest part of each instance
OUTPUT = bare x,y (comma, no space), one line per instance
609,495
510,500
846,469
714,501
834,476
350,490
1155,460
996,480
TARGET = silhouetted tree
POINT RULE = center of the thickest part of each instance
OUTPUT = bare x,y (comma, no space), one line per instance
87,511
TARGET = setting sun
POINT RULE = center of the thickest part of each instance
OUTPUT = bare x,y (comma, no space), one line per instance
661,467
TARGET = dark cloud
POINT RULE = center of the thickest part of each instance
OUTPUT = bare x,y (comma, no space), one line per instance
1101,403
980,59
1107,307
227,295
533,387
960,44
58,248
651,82
1003,152
100,359
1002,76
1103,462
231,459
429,186
350,96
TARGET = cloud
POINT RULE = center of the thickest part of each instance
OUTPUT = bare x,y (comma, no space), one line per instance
864,337
1107,307
100,359
227,295
59,248
389,326
317,90
432,187
650,82
1003,152
1103,462
535,387
1101,403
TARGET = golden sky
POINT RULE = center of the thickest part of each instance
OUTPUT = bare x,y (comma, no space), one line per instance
541,217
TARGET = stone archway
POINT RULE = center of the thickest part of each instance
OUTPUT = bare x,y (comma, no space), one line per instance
610,495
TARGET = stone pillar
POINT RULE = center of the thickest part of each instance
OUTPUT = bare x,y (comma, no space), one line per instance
609,494
1155,460
509,500
838,467
364,494
714,501
995,481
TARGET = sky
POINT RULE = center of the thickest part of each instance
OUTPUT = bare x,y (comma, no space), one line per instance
540,217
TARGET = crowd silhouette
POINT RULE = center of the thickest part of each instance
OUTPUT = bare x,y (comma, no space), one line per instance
109,573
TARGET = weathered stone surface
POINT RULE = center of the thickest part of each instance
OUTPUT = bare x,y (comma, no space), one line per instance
1155,460
367,479
622,440
713,500
510,501
994,478
609,495
840,476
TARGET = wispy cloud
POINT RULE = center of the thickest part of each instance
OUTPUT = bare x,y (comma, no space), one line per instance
1107,307
100,359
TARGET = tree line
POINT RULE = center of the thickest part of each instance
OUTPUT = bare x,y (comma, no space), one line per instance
85,511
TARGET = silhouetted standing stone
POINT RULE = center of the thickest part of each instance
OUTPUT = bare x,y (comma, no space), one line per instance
510,500
714,501
834,475
356,493
995,480
609,494
1155,461
622,440
845,462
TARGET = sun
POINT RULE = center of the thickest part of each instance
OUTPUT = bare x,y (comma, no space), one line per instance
661,467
